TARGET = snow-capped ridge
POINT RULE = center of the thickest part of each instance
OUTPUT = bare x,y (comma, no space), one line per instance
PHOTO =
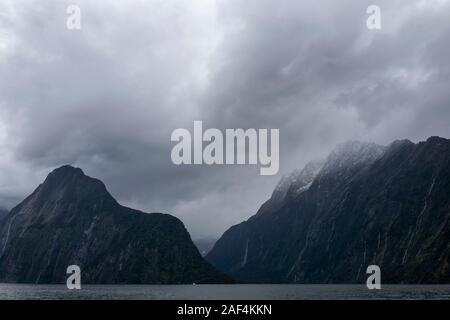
345,155
352,153
298,180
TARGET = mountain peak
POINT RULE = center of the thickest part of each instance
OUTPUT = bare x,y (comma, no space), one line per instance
66,174
401,142
353,153
66,171
436,140
71,182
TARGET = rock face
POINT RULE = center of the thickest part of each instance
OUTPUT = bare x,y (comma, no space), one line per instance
368,204
72,219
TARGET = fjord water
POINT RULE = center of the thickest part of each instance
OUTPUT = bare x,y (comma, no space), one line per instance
225,292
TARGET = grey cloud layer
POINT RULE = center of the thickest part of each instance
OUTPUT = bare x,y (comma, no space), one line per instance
107,97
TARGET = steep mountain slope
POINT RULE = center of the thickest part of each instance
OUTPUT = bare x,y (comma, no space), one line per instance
367,205
72,219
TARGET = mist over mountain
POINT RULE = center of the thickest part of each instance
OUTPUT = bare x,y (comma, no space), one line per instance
71,219
204,245
365,204
3,213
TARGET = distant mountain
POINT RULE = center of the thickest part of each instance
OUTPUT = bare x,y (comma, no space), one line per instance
204,245
72,219
366,204
3,213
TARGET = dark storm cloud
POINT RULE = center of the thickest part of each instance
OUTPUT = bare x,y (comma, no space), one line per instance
107,97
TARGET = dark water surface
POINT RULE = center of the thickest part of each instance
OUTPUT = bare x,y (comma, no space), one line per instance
226,292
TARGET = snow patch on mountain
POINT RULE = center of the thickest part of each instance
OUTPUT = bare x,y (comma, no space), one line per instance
352,154
345,155
298,181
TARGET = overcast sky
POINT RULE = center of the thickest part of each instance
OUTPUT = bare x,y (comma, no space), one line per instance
107,97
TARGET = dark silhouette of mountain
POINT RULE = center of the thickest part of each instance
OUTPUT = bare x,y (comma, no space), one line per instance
368,204
71,219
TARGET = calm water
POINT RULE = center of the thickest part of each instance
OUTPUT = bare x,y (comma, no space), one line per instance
235,292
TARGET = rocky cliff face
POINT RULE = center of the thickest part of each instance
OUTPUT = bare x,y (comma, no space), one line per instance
72,219
368,204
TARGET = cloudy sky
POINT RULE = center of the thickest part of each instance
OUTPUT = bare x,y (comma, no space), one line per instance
107,97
